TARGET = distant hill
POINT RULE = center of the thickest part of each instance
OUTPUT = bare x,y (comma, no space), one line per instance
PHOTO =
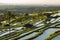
20,8
2,7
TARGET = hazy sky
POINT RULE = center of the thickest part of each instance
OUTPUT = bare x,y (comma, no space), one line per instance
30,2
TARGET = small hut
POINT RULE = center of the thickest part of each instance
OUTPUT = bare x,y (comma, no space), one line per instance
28,25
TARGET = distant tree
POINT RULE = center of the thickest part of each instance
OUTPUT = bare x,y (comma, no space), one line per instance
0,23
10,14
7,25
26,14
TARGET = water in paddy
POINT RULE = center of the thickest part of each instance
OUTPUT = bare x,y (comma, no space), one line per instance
56,38
28,36
47,33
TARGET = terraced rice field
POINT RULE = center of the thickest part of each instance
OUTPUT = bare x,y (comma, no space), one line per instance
35,27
